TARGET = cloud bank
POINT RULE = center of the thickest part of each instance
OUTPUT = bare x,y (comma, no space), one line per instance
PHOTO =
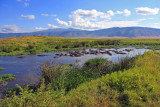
126,12
147,11
88,19
93,19
10,29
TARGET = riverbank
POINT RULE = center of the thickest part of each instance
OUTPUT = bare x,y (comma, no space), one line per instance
136,85
41,44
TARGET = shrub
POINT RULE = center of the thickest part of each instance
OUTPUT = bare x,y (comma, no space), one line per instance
100,65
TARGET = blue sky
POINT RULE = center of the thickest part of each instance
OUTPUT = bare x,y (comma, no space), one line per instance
35,15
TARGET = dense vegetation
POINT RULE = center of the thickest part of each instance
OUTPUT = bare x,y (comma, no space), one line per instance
39,44
132,82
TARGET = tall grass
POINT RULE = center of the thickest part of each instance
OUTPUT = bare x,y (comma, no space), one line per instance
137,87
65,77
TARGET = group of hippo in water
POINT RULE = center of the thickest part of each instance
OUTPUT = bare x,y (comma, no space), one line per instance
87,51
91,51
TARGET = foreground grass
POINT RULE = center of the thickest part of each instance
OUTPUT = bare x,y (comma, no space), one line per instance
136,86
39,44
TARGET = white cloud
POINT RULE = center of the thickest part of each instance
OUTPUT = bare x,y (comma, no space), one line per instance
94,25
83,18
52,26
26,4
10,29
126,12
48,15
62,23
87,13
93,20
40,28
119,12
91,14
147,11
44,14
110,13
31,17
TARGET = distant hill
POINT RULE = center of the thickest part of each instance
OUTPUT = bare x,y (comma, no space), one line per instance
129,32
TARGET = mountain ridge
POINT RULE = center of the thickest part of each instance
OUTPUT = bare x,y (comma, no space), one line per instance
129,32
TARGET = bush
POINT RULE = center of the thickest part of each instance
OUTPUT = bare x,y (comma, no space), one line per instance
95,62
60,77
50,71
100,65
125,63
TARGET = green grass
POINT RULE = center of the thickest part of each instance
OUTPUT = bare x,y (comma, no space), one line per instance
65,77
138,85
33,45
40,44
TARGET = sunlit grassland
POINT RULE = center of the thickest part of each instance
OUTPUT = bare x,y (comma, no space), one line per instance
137,84
39,44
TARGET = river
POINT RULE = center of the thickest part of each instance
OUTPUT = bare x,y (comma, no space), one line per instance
27,70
